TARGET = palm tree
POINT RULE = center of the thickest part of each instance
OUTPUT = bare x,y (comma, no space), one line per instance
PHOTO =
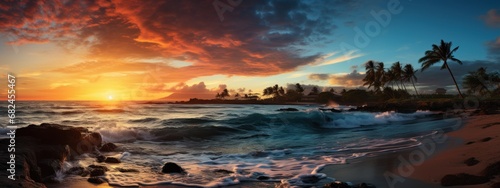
439,53
409,76
397,71
224,94
379,76
478,81
389,77
370,74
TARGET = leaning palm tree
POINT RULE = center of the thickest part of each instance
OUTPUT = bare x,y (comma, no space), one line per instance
409,76
439,53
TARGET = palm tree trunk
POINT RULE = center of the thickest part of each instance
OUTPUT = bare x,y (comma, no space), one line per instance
416,92
456,85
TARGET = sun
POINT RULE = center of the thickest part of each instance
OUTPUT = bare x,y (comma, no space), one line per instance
110,97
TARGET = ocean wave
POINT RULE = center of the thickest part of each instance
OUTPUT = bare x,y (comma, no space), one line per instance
72,112
110,110
143,120
191,132
186,121
122,134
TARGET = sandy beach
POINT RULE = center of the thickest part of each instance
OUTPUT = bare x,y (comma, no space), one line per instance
478,139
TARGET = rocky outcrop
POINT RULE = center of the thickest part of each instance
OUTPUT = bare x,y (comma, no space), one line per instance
108,147
172,168
287,110
41,150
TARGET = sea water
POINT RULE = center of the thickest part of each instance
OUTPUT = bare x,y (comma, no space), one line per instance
256,142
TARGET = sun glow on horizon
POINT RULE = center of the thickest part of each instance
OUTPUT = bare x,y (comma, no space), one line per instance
110,97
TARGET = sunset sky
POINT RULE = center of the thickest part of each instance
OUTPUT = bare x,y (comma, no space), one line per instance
142,50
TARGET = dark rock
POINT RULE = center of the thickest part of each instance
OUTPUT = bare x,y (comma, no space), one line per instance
41,149
364,185
259,154
112,160
54,134
288,109
406,110
471,161
125,170
469,143
492,170
223,171
310,179
337,184
49,167
96,172
496,185
98,167
263,178
75,170
486,139
335,110
101,158
463,179
96,180
108,147
85,172
172,168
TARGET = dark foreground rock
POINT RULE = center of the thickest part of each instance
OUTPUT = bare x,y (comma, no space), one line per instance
41,150
96,180
172,168
97,172
463,179
339,184
287,109
112,160
108,147
127,170
492,170
471,161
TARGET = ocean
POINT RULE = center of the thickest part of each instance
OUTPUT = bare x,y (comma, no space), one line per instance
256,142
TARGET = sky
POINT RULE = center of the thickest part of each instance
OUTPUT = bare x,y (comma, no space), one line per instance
144,50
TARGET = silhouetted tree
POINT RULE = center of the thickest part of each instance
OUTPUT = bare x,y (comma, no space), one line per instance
314,91
299,88
444,53
480,81
409,76
224,94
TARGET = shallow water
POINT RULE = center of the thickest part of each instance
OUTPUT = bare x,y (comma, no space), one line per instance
251,140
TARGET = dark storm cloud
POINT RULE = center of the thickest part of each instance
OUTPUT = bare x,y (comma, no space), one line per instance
255,38
433,78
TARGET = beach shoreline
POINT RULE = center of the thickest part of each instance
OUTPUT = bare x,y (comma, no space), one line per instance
391,170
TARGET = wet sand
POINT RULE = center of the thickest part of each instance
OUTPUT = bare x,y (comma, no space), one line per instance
396,170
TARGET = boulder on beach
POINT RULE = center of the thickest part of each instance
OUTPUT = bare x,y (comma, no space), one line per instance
337,184
471,161
101,158
96,180
41,149
172,168
112,160
108,147
97,172
287,109
98,167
